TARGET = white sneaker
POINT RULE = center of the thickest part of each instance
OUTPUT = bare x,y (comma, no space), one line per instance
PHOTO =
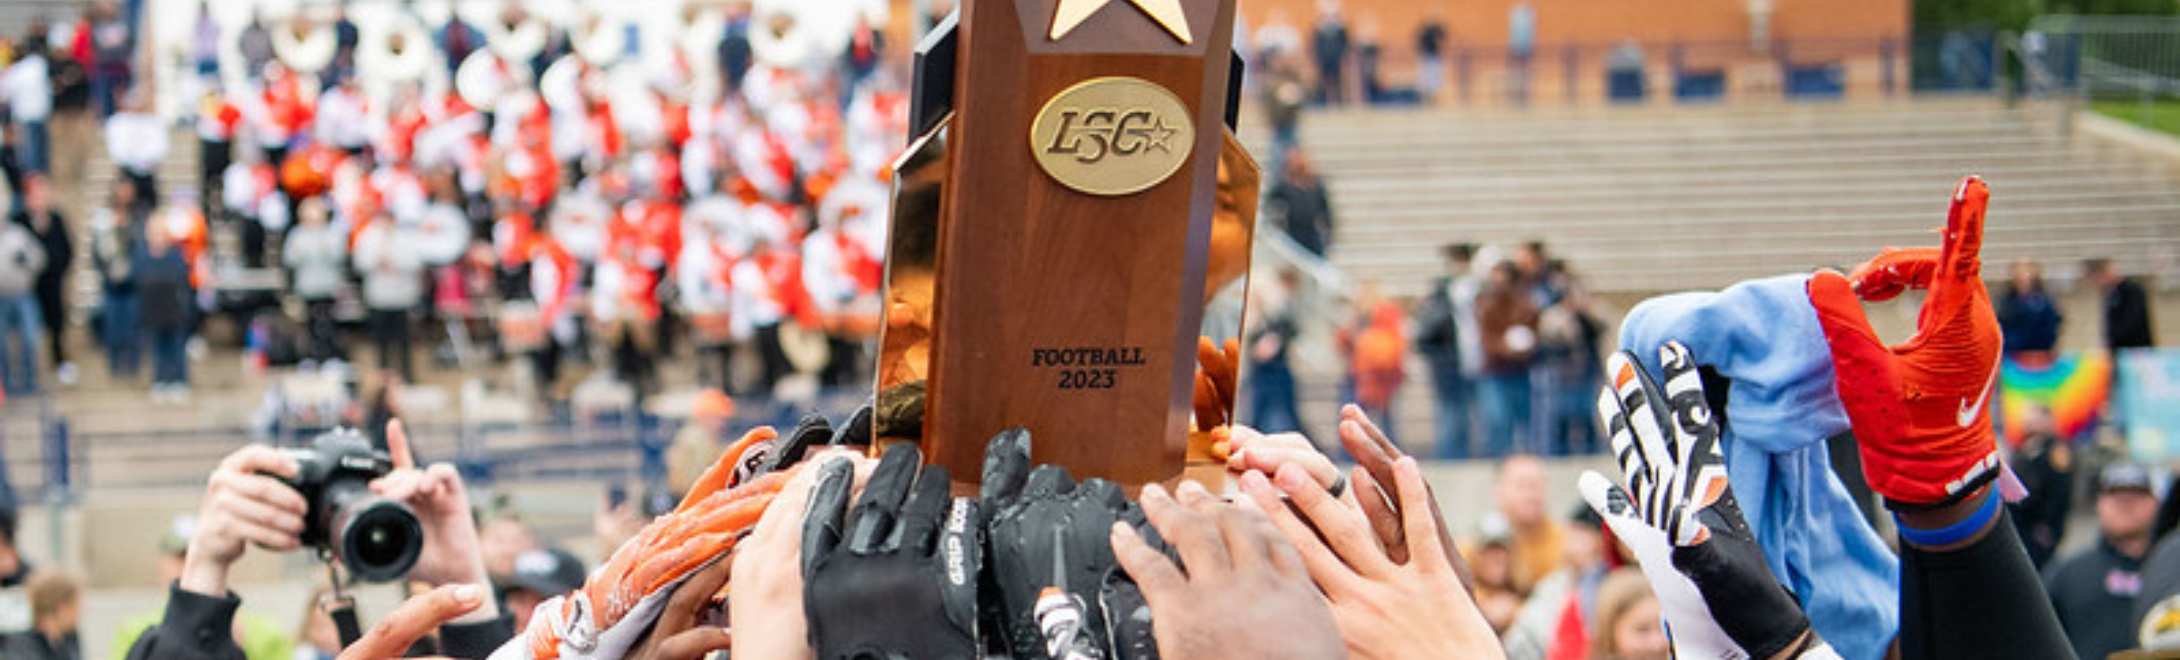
66,373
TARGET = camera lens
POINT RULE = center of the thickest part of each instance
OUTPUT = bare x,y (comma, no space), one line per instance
377,538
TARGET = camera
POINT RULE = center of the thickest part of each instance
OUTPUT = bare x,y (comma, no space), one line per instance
376,538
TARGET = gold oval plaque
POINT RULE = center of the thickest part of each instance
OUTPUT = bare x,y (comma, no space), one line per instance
1114,135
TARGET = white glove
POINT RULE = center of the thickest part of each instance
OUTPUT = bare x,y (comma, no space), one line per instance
1718,596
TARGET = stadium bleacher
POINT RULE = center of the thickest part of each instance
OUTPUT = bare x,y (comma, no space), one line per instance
1726,193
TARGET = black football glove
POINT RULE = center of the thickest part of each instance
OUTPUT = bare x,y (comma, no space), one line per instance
896,579
1057,591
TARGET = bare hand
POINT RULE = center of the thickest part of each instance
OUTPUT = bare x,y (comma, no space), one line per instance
1242,584
417,617
680,634
1375,454
245,503
1385,608
451,553
1253,450
764,605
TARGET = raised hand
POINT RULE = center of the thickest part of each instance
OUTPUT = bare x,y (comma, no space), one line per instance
244,504
1374,455
1052,560
1680,518
418,616
1918,407
765,606
905,544
451,553
620,602
1415,607
1244,593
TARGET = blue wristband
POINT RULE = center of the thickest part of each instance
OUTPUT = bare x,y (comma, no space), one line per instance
1956,532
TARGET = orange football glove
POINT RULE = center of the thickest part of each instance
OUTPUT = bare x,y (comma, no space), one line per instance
1918,407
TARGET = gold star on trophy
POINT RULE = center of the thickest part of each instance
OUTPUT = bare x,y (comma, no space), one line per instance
1167,13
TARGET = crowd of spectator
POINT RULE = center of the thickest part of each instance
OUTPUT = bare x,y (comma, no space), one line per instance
584,218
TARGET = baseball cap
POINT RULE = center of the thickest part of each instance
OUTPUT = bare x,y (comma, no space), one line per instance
2125,476
550,572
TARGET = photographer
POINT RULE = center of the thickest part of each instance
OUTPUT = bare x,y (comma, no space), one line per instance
247,502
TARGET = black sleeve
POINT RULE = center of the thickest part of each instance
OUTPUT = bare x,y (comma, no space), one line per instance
194,627
476,640
66,253
1981,601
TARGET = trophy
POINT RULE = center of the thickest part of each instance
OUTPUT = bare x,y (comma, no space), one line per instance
1071,225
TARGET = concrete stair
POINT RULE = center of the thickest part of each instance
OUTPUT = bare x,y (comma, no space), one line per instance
1641,201
1649,200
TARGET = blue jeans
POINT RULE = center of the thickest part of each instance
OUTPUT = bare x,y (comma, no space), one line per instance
121,331
35,149
1455,396
170,356
20,323
1505,398
1573,426
1271,399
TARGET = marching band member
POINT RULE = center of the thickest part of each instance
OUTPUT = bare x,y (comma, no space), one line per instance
344,117
554,287
704,289
877,126
136,140
843,265
250,192
392,286
624,306
217,121
278,111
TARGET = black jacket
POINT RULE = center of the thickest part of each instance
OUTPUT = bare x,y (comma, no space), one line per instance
33,646
2094,594
1437,335
2127,316
197,626
60,251
1307,211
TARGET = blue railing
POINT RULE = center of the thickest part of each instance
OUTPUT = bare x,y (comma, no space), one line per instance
60,462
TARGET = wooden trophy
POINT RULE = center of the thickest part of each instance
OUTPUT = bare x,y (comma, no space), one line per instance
1074,204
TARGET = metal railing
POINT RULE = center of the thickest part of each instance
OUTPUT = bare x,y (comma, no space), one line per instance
42,457
2086,59
1630,71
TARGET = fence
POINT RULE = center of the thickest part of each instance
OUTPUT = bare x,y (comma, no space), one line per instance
2128,66
1636,72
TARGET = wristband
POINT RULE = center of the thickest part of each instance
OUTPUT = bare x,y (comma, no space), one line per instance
1954,533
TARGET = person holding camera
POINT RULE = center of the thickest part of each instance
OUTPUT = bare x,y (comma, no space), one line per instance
257,496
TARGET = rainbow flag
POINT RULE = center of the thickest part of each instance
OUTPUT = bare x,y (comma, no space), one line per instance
2074,386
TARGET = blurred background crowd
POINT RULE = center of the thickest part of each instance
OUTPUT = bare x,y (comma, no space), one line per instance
579,245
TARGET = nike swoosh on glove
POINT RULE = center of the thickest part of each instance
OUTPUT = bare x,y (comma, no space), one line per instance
1678,516
618,604
1056,590
1917,407
896,576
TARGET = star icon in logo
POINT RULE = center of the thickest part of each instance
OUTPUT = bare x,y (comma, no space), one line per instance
1158,135
1167,13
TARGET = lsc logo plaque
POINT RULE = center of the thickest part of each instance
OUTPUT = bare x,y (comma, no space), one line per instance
1112,135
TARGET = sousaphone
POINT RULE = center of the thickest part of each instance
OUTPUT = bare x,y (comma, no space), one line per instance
304,45
515,35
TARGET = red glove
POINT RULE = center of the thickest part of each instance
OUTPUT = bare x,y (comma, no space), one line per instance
1918,407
